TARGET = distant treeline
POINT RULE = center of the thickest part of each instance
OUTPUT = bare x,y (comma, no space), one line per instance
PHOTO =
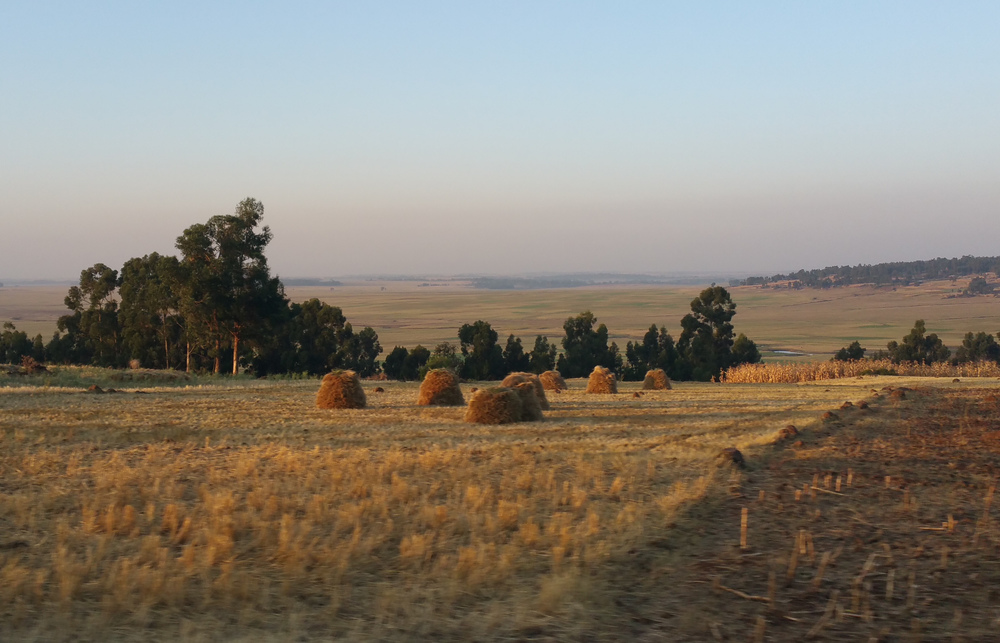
565,281
901,273
217,308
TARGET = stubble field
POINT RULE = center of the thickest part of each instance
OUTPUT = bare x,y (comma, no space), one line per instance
244,511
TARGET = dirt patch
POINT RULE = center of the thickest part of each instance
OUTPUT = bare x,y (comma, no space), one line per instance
877,529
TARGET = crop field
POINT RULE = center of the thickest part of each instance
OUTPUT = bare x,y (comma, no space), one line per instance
231,511
817,322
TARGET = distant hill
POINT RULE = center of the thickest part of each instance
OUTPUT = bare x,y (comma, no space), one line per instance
309,281
880,274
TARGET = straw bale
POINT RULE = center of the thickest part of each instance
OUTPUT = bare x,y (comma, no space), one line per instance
602,380
514,379
341,390
440,388
531,408
498,405
656,380
552,381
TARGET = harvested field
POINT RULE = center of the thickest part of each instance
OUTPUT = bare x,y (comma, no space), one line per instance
245,512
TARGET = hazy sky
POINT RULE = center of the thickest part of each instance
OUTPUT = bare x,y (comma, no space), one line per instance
499,137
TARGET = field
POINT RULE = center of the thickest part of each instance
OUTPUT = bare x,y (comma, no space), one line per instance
817,322
221,512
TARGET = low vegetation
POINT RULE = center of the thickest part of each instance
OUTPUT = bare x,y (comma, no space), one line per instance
245,511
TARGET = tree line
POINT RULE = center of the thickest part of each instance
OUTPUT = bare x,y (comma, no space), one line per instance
706,346
927,348
892,273
216,307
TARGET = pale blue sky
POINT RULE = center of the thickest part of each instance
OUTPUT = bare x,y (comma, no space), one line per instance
445,137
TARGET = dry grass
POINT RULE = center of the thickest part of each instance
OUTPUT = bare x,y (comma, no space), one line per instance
341,390
777,373
877,528
517,378
602,380
552,381
656,380
497,405
247,512
807,320
440,388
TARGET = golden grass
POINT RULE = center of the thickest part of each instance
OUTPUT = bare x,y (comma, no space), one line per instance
774,373
813,321
245,511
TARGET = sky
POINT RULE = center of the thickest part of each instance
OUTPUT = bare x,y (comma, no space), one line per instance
502,137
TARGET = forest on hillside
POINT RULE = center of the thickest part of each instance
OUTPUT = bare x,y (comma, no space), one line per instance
897,273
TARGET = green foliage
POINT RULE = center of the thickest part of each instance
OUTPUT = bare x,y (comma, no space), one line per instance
979,347
978,286
514,358
585,347
445,355
744,351
415,362
92,329
483,357
15,345
706,340
851,352
542,356
918,347
150,309
395,362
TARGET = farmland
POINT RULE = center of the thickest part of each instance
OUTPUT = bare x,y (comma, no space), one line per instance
811,321
215,511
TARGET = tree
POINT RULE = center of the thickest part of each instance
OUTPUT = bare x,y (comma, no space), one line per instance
231,293
918,347
980,347
14,344
851,352
585,347
415,362
92,328
744,351
483,357
444,356
642,356
150,308
514,358
395,362
542,356
360,352
706,337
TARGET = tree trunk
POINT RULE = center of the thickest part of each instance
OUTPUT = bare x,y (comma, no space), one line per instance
187,351
218,349
236,353
166,353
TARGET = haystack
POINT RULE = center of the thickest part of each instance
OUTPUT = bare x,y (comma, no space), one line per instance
440,388
495,406
341,390
656,380
531,407
552,381
514,379
602,380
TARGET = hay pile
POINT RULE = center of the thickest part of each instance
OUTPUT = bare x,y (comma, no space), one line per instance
495,406
602,380
531,406
514,379
656,380
440,388
552,381
341,390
